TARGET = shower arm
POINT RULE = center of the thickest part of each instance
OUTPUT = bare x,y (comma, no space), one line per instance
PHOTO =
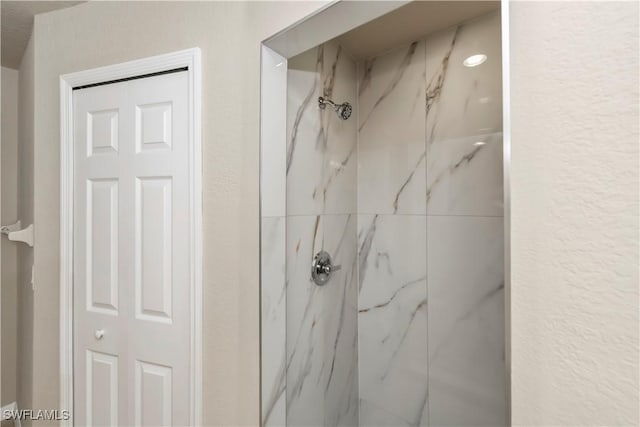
322,102
343,110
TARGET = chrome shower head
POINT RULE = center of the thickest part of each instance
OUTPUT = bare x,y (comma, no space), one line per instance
343,110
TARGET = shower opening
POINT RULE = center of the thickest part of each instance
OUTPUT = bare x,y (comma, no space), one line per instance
383,255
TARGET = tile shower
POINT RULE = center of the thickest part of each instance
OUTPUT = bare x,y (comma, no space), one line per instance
407,196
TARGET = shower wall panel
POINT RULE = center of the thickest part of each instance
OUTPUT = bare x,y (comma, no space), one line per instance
321,321
464,121
321,148
321,324
466,321
392,320
274,320
431,288
391,146
465,226
392,301
407,196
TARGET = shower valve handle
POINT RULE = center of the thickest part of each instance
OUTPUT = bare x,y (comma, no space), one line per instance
322,268
331,268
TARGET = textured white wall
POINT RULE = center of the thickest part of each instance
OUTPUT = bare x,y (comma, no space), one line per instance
574,196
229,33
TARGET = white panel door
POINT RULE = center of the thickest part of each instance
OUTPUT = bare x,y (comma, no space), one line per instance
132,253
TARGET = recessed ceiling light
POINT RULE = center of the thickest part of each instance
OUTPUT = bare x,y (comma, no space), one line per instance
474,60
479,143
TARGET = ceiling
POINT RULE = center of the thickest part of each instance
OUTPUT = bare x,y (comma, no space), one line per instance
394,29
410,23
17,22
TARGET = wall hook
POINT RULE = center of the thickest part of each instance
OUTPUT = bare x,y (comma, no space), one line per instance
16,234
5,229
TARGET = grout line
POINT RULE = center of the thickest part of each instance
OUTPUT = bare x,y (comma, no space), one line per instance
320,214
357,240
383,214
434,215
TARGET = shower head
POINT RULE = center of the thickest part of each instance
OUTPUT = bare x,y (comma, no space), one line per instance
343,110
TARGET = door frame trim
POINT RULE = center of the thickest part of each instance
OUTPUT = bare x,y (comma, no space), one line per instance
190,58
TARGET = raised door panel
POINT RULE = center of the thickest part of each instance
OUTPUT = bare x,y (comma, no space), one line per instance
102,132
102,389
102,246
153,394
153,126
153,262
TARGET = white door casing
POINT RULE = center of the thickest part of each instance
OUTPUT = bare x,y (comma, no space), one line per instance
132,336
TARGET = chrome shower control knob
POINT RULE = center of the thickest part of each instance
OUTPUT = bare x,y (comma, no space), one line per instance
322,268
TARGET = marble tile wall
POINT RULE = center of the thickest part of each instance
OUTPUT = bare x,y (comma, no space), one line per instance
464,121
274,320
407,197
430,232
392,239
466,321
391,129
272,238
392,320
465,230
321,372
321,148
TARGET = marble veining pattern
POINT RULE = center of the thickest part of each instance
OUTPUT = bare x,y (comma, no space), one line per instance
391,146
449,177
274,322
392,320
321,164
465,227
466,321
407,196
322,372
464,121
465,176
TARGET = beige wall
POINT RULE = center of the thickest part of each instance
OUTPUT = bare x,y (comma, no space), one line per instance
574,170
9,279
25,212
574,194
229,34
17,258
